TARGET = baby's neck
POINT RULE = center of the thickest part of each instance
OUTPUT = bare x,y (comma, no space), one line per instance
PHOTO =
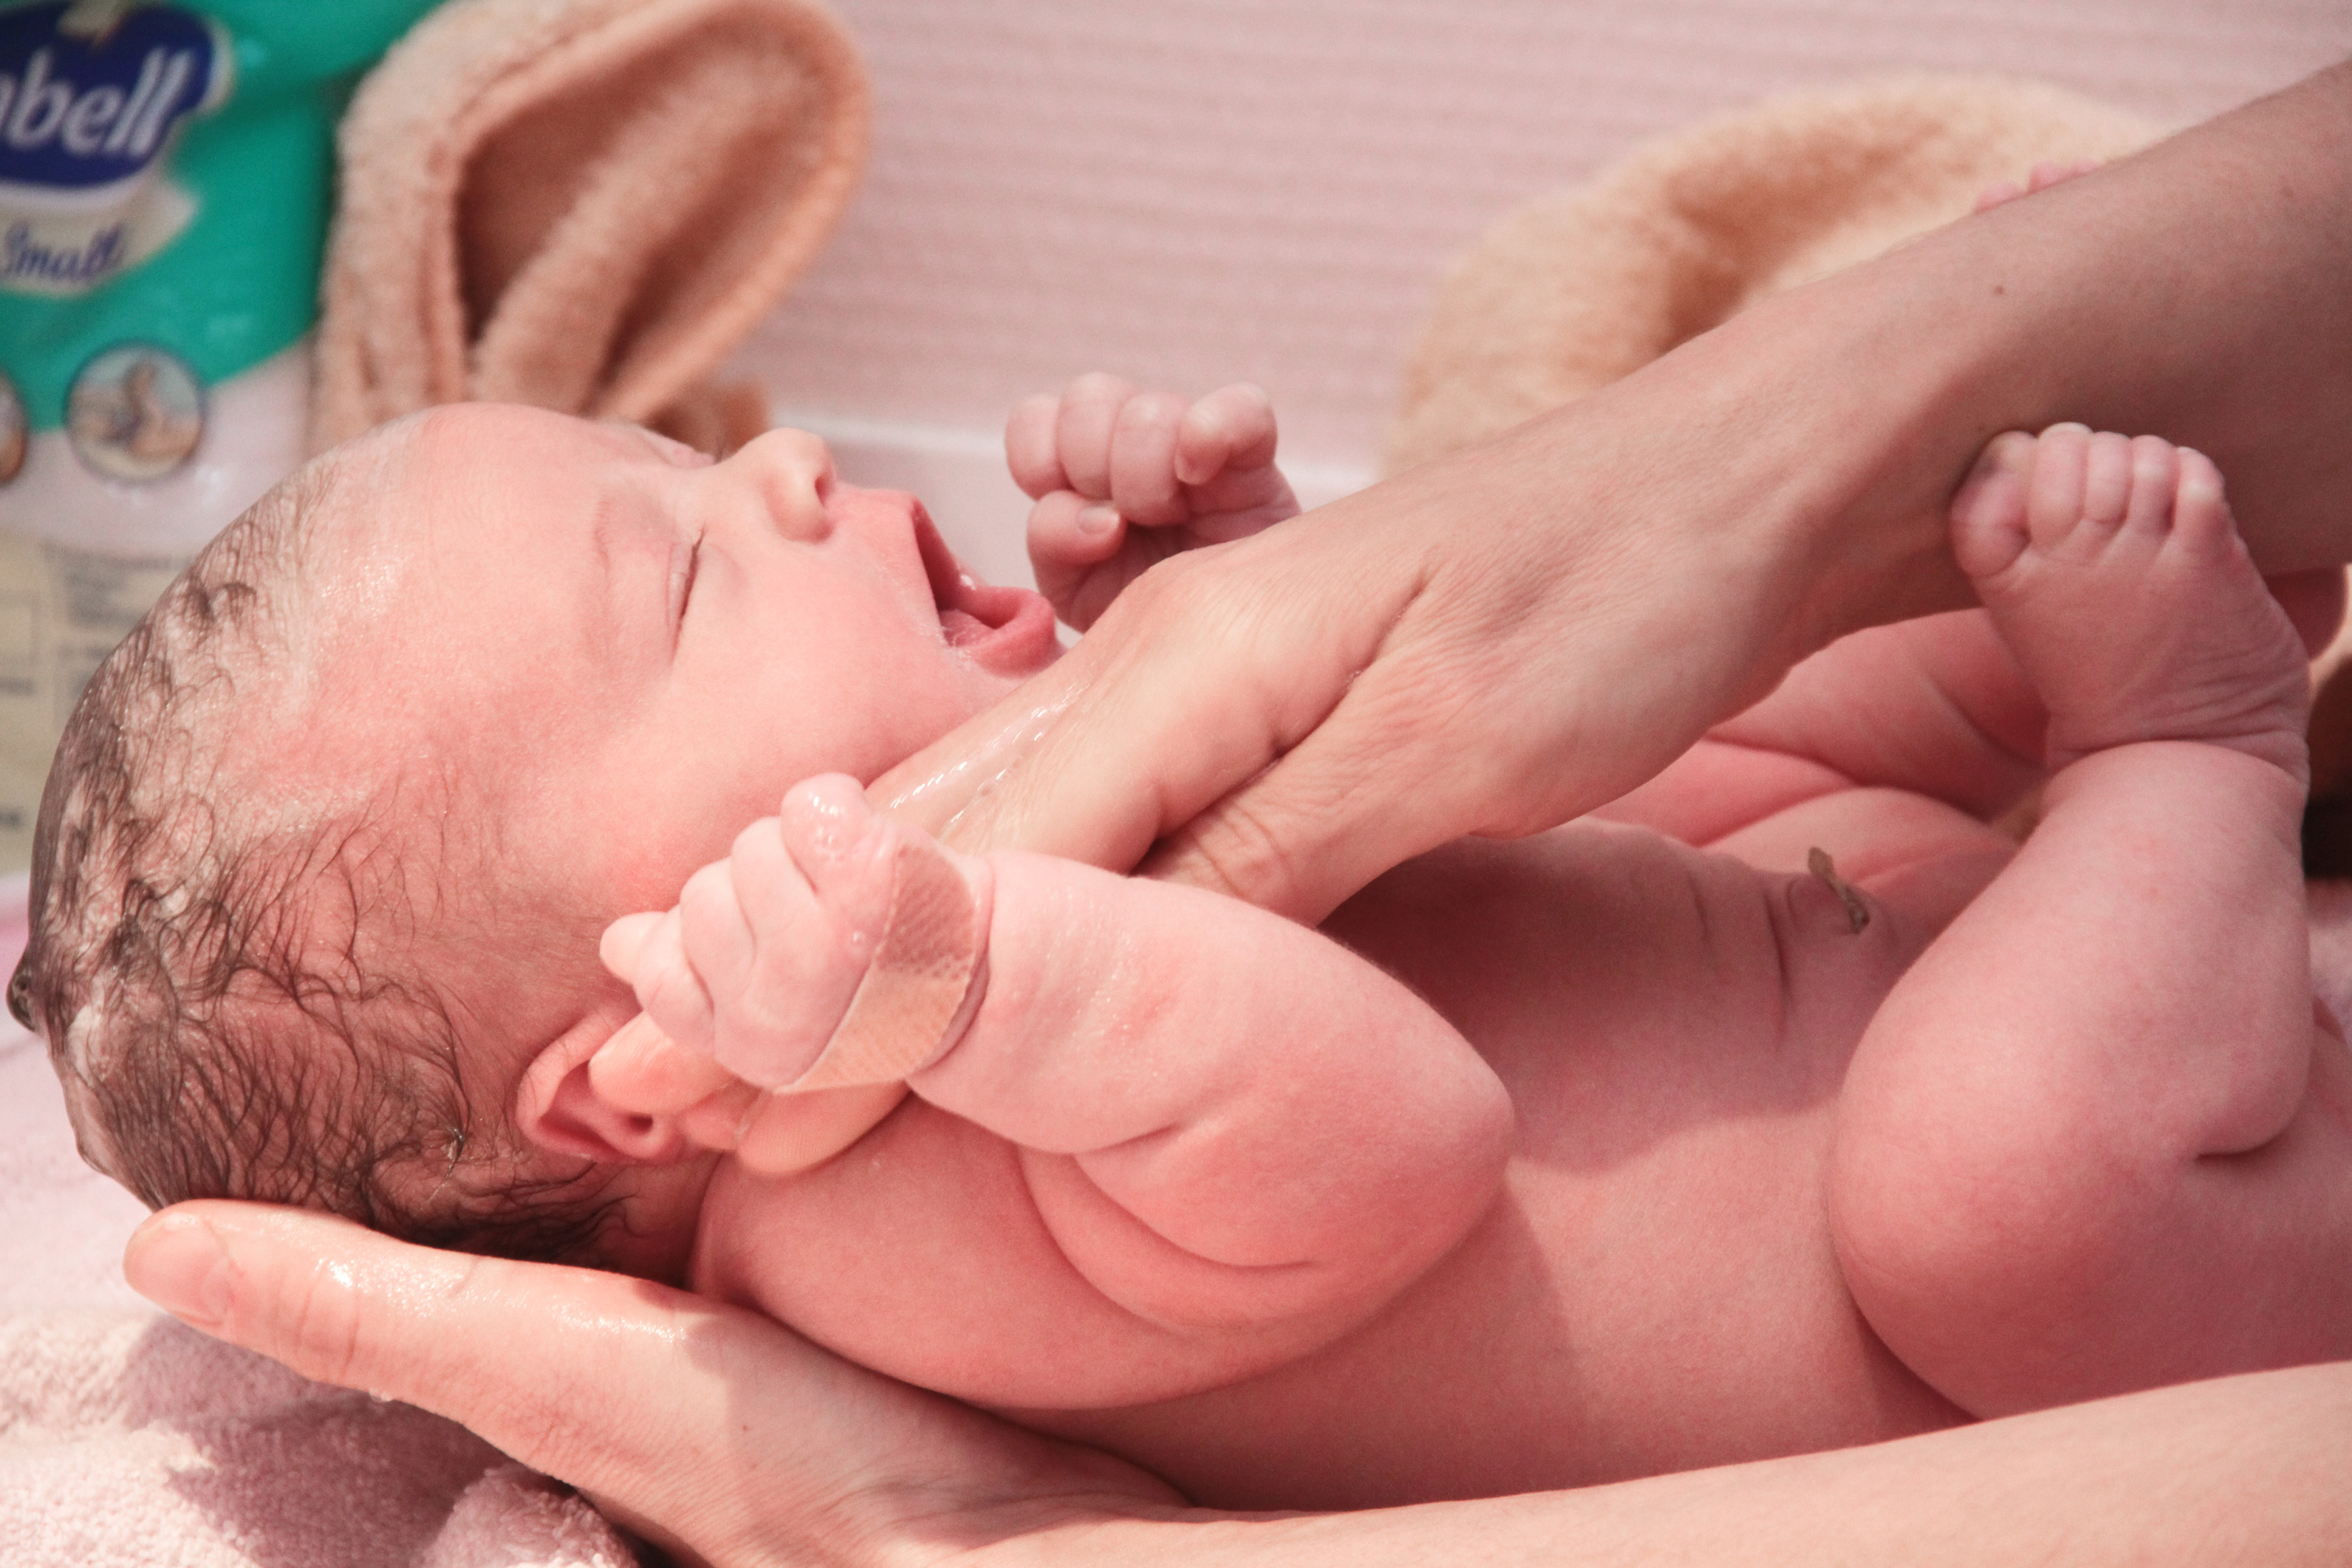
656,1215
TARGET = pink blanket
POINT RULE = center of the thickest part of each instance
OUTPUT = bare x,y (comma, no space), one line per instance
128,1441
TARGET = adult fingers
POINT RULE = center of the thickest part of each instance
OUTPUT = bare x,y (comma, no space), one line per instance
1483,663
1405,761
708,1429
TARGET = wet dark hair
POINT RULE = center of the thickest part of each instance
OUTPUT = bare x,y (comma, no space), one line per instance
235,989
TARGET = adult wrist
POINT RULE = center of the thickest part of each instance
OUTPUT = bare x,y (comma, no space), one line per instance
1871,382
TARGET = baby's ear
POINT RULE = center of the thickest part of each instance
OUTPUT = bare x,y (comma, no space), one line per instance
627,1096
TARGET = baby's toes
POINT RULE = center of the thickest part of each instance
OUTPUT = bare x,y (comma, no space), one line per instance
2200,515
1988,514
2106,483
2155,475
2058,487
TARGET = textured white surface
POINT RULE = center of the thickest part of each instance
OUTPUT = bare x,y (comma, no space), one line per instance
1195,191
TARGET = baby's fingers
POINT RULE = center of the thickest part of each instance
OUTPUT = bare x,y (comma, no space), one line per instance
1084,422
642,1070
1030,451
1143,482
1231,429
624,942
1069,537
667,987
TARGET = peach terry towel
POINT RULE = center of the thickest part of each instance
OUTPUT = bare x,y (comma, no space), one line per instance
1572,291
582,205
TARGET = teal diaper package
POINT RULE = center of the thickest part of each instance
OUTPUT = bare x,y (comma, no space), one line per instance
166,173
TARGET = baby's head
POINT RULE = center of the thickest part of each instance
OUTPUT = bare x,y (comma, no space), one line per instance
326,847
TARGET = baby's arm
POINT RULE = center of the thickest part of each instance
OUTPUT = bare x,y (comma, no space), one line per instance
1231,1127
1124,480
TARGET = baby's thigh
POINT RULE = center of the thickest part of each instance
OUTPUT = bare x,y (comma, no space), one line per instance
2098,1137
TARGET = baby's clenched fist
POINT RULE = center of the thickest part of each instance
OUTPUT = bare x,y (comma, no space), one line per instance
760,963
1124,480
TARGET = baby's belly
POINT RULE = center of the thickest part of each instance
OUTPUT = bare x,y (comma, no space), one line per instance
1656,1288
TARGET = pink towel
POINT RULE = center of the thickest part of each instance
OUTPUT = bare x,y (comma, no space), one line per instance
129,1441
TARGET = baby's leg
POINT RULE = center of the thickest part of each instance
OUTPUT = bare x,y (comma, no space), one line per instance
2095,1139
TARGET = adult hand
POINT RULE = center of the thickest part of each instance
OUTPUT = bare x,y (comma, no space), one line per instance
727,1439
1500,640
709,1430
1492,643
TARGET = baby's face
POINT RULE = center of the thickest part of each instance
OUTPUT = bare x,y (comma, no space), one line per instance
619,653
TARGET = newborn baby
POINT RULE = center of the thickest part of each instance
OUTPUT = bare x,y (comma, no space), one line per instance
1787,1104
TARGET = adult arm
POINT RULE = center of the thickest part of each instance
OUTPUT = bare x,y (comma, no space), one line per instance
731,1441
1504,638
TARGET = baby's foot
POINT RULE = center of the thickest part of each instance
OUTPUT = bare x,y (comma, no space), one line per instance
2118,581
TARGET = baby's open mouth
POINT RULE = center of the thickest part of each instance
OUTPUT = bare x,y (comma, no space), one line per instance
1003,629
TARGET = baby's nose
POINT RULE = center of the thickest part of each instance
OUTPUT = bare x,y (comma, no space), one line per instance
793,472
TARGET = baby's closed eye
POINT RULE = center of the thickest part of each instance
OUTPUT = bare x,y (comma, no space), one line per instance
685,561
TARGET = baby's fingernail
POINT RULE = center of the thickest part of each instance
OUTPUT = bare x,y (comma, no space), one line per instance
179,1264
1097,520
